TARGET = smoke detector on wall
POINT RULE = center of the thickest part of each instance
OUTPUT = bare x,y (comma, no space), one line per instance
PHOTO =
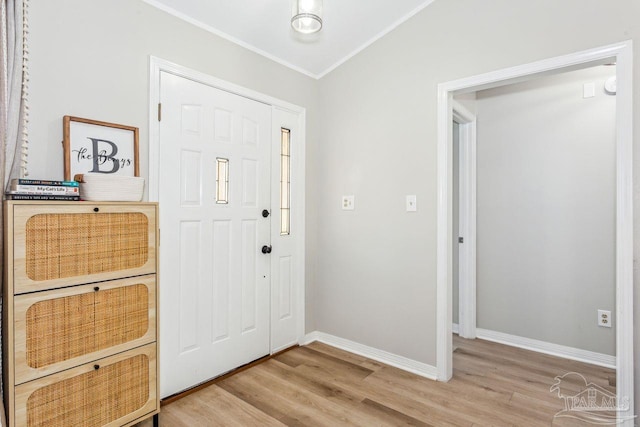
610,86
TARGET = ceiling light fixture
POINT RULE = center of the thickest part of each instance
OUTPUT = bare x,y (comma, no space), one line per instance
306,16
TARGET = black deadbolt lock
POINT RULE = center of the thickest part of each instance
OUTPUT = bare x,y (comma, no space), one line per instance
266,249
265,213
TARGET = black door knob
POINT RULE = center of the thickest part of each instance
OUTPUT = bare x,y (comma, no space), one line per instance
265,213
266,249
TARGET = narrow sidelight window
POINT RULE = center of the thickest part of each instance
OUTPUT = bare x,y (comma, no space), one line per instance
285,181
222,180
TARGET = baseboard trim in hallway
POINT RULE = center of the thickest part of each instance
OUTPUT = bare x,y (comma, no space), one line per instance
558,350
551,349
400,362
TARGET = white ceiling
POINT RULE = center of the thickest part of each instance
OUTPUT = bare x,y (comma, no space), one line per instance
264,27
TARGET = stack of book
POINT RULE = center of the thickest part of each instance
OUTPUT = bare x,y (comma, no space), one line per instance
35,189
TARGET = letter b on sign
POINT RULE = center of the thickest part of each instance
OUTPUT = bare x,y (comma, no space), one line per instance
102,158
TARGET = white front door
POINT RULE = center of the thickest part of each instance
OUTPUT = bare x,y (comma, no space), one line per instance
214,183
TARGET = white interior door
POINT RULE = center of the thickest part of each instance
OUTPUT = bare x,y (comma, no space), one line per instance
465,220
214,182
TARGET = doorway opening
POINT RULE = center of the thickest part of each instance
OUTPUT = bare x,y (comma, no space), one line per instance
621,54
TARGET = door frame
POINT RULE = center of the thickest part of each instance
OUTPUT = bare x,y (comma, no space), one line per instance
622,53
466,220
156,67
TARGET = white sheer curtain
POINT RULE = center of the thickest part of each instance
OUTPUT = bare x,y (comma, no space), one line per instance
14,112
15,79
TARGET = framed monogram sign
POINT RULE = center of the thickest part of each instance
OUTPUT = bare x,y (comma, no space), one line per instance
100,147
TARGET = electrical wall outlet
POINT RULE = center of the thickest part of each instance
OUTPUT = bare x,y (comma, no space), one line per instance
604,318
348,203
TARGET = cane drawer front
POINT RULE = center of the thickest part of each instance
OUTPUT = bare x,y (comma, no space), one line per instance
63,245
109,392
60,329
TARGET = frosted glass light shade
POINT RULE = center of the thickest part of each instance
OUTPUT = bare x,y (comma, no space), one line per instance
306,16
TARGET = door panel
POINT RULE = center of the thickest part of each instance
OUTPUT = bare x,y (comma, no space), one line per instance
284,288
215,279
190,170
248,267
189,268
221,279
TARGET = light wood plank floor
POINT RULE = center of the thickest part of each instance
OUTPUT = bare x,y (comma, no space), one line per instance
318,385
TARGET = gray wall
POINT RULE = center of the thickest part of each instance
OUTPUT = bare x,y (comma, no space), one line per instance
379,121
89,58
546,175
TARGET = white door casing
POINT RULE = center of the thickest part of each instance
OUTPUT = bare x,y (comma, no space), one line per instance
285,292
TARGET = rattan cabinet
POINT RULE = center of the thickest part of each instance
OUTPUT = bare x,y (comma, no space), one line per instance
80,313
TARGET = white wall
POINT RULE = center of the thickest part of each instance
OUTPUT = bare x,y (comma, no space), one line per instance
89,58
377,265
546,175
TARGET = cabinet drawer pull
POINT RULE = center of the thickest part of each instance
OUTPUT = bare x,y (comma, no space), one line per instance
96,367
96,289
96,209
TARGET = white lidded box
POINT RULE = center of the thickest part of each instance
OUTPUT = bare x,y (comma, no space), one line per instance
100,187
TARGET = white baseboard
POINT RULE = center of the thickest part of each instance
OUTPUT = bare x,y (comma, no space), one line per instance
548,348
309,338
455,328
382,356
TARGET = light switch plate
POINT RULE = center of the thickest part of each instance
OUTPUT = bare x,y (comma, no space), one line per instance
412,203
589,90
348,203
